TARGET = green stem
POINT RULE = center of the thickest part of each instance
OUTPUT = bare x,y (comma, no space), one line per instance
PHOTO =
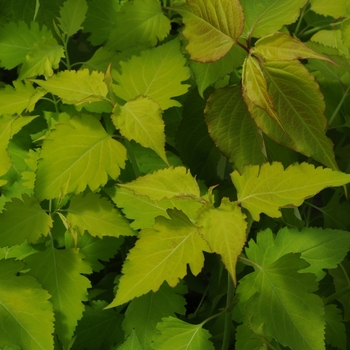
228,315
345,95
341,292
65,43
317,29
300,19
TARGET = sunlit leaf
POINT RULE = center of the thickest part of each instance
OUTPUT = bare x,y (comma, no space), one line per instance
270,187
332,38
72,15
335,9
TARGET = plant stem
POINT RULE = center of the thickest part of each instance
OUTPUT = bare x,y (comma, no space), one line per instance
316,29
300,20
228,315
345,95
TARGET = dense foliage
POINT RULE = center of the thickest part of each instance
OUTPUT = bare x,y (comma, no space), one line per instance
174,174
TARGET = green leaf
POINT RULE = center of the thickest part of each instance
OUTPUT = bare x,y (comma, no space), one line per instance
283,47
60,273
326,8
131,343
143,313
141,120
332,38
162,71
72,16
23,220
75,87
26,316
165,183
98,216
345,30
5,135
100,19
300,107
224,228
77,155
279,297
335,328
211,28
270,187
161,254
139,22
16,41
42,59
226,113
268,16
177,334
99,328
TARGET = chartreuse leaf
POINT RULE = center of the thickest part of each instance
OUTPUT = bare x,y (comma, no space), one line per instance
165,183
17,39
141,120
98,216
5,135
270,187
26,317
139,22
177,334
131,343
77,155
211,28
72,15
23,220
143,313
345,30
335,328
300,107
226,113
98,328
75,87
268,16
255,87
42,59
100,18
161,254
332,38
156,73
326,8
60,273
281,298
224,228
280,46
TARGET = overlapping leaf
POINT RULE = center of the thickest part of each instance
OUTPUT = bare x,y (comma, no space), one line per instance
72,16
98,216
335,328
75,87
26,316
224,228
23,220
268,16
141,120
161,254
139,22
337,9
60,273
270,187
5,135
211,27
177,334
77,155
156,73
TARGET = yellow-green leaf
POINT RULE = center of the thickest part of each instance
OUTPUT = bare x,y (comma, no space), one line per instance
211,27
224,228
161,254
141,120
335,9
270,187
72,16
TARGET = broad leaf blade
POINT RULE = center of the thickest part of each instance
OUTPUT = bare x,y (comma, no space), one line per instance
271,187
75,87
268,16
335,9
72,16
98,216
131,343
5,135
24,310
77,155
335,327
141,120
23,220
211,27
140,22
177,334
162,71
60,273
161,254
224,228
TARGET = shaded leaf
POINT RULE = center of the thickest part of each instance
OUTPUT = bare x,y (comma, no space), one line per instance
24,310
5,135
335,328
77,155
161,254
141,120
72,15
270,187
156,73
60,273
